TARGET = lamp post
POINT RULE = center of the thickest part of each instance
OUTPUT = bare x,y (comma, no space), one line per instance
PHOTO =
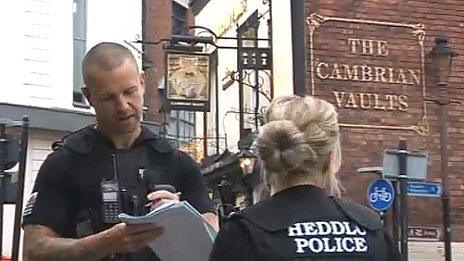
247,161
246,156
442,57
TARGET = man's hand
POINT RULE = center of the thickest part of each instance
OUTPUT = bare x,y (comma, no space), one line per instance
131,237
42,243
212,219
160,197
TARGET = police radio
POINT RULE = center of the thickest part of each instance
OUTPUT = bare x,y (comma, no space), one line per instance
110,190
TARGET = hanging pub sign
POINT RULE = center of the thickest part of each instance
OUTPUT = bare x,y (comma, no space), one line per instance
188,81
372,71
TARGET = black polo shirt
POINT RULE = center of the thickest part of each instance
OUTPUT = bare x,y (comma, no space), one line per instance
67,188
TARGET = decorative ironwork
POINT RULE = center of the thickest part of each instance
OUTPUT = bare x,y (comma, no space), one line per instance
256,58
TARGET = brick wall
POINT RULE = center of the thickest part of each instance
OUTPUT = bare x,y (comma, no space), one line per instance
364,147
156,25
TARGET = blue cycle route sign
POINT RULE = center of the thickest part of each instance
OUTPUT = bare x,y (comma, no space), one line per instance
380,194
424,189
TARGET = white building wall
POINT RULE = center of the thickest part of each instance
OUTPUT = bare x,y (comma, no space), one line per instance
115,21
282,44
38,45
37,63
11,43
212,16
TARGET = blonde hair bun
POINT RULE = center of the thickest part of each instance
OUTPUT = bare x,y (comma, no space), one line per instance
282,147
299,133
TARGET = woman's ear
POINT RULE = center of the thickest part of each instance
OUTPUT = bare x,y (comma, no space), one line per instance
327,160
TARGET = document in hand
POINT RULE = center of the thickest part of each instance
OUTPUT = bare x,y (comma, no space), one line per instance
187,236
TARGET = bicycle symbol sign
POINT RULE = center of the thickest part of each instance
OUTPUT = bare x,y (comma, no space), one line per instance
380,194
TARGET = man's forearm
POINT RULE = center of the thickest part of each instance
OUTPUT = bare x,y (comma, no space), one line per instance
50,247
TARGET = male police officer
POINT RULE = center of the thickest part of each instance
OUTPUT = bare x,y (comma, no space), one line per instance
65,219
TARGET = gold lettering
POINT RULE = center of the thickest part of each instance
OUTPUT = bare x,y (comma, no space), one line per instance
380,74
243,5
237,11
318,70
353,44
371,101
335,72
366,73
391,98
376,102
351,103
339,97
415,76
390,75
382,48
348,74
401,77
361,100
403,101
232,15
367,47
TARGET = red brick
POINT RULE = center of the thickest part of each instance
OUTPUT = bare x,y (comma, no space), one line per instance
440,18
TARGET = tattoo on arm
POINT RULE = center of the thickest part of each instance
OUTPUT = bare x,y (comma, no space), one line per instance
42,243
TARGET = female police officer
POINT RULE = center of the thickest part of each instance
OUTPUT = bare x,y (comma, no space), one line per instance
300,150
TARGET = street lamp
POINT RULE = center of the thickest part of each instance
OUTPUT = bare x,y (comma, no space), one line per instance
247,161
247,156
442,57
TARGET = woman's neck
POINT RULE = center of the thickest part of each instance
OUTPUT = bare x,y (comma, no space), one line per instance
287,182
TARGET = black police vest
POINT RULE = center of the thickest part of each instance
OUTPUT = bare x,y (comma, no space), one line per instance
138,169
152,160
304,224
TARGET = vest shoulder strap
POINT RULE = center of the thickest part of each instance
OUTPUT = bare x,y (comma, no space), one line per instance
362,215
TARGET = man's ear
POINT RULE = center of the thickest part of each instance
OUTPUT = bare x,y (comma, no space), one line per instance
142,82
86,93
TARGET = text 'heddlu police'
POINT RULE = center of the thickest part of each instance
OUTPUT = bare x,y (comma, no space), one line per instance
328,237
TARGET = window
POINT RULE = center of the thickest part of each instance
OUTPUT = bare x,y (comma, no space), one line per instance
182,126
179,19
79,47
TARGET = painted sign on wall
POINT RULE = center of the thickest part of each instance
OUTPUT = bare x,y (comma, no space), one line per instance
369,67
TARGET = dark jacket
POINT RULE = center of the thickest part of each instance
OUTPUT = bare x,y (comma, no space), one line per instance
303,223
67,195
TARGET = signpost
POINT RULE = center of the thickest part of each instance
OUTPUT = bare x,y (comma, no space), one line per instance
407,171
424,233
380,194
424,189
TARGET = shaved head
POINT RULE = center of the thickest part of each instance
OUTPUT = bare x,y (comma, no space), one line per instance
105,56
114,88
